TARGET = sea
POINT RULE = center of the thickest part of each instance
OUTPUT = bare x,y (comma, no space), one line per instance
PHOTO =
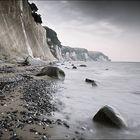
118,86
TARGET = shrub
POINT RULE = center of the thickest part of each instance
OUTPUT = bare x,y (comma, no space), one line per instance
37,17
33,7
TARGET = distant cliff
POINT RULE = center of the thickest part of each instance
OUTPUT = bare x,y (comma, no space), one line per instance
20,35
98,56
81,54
74,54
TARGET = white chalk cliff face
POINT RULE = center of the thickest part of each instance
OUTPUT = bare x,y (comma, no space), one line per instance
20,35
81,54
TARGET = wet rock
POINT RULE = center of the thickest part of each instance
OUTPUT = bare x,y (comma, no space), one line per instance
53,72
82,65
48,121
44,138
91,81
66,125
136,92
2,96
25,62
33,130
59,122
76,132
74,67
20,126
108,115
14,112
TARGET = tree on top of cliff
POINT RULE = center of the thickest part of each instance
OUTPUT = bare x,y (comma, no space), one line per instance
36,16
33,7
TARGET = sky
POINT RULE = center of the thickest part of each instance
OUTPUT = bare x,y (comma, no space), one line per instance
109,26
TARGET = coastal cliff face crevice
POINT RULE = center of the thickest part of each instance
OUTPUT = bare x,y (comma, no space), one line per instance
20,35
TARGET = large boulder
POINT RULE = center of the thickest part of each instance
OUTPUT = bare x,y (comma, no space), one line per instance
53,72
110,116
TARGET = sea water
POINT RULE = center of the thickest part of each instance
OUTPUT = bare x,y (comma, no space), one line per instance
118,86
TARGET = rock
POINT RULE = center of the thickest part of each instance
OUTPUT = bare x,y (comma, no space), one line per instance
66,125
110,116
53,72
74,67
33,130
82,65
91,81
25,62
2,96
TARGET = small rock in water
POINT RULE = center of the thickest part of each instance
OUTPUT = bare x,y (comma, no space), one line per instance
82,65
76,132
2,96
91,81
109,116
66,125
32,130
74,67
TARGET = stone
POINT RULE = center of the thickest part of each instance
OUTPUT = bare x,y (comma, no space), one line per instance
74,67
108,115
53,72
82,65
25,62
2,96
32,130
66,125
91,81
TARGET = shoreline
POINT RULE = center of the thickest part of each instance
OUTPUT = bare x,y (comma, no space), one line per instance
25,99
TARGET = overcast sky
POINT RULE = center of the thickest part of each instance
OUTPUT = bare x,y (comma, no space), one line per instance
109,26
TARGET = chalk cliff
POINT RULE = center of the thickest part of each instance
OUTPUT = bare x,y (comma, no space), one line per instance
81,54
98,56
20,35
